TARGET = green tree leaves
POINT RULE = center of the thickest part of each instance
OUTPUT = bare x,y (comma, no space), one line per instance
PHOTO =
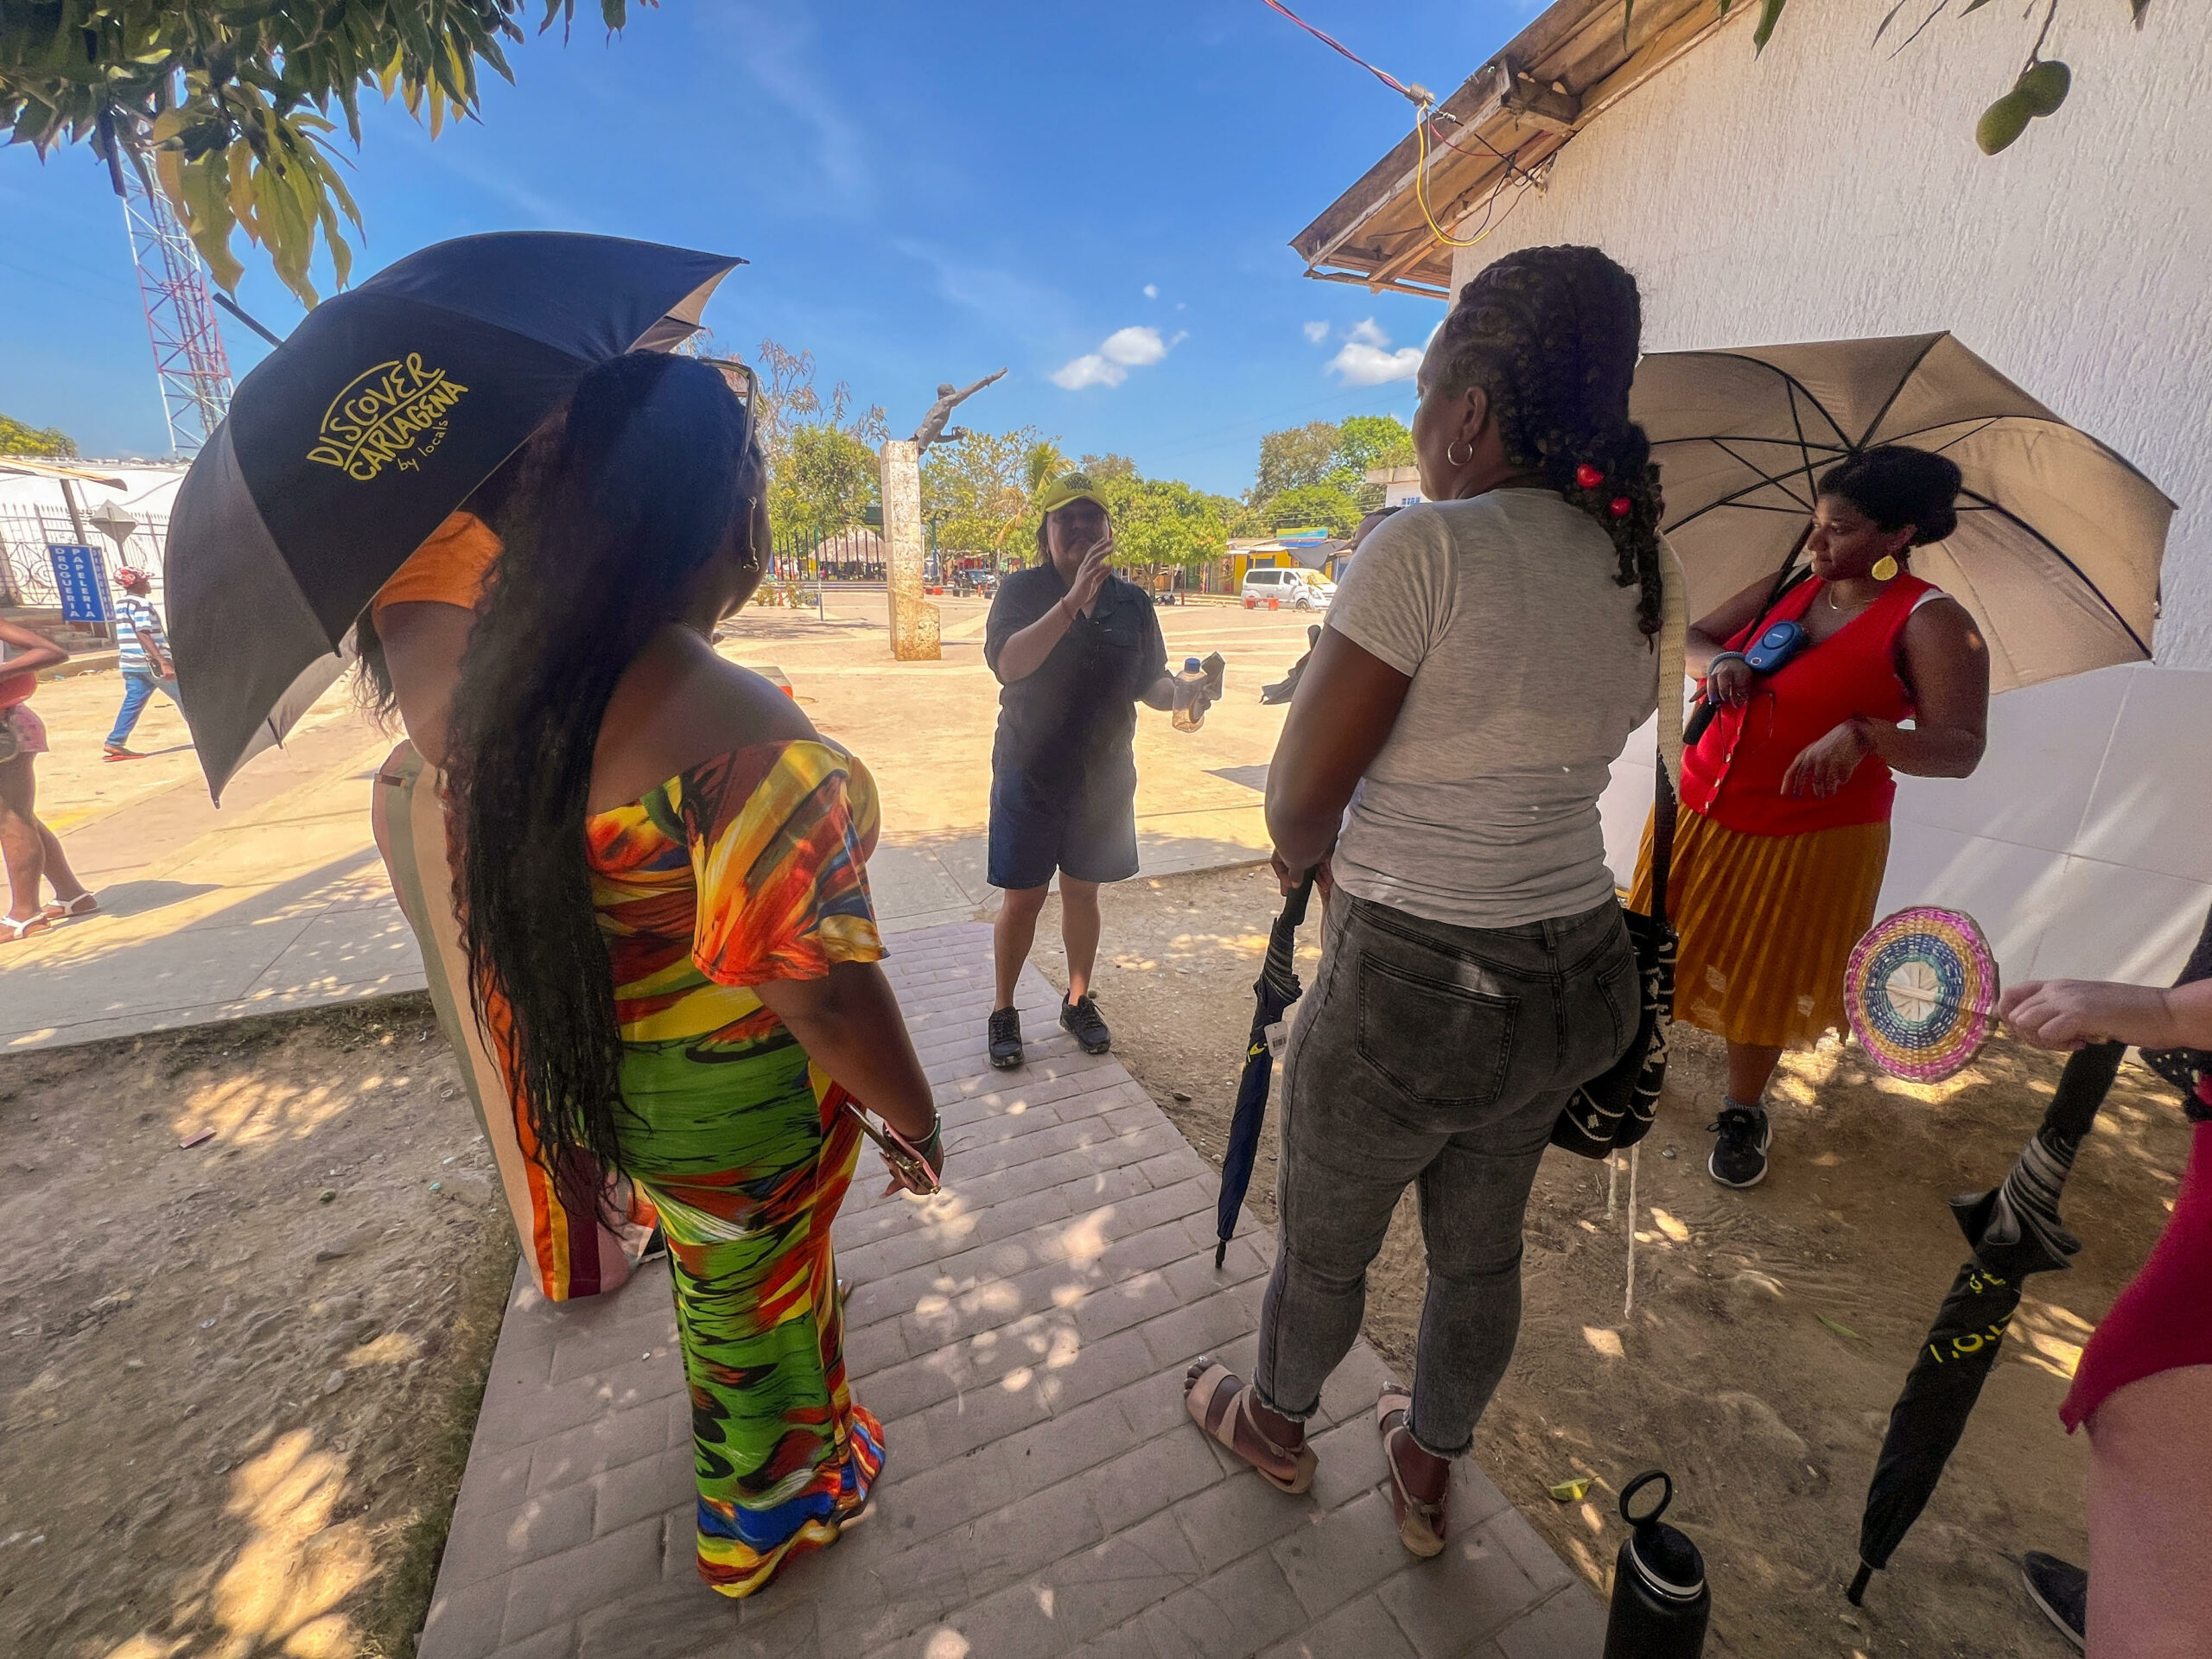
1161,523
1367,441
824,479
47,442
1295,456
980,490
1325,506
1317,474
228,103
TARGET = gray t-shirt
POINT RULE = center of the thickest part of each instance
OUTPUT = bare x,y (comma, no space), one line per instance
1528,674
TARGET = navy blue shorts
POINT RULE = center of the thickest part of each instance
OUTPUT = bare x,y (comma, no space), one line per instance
1086,832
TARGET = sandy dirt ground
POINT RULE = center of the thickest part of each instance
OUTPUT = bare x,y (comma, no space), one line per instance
238,1377
1771,1328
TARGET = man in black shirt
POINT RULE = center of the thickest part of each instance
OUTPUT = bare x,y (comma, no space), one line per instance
1075,648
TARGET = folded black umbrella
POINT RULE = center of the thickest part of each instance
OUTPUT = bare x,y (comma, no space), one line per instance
352,441
2013,1230
1286,688
1276,988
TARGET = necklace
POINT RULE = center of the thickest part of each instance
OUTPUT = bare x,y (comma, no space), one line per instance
1833,606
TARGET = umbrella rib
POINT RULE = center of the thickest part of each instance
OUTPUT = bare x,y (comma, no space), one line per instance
1897,390
2059,554
1734,497
1979,427
1747,437
1788,379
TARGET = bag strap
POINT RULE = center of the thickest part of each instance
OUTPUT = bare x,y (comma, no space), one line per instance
1673,628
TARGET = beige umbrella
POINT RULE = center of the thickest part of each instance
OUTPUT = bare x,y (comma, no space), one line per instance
2059,539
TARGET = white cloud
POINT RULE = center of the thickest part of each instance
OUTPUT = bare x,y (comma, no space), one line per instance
1135,347
1152,290
1088,369
1366,359
1317,332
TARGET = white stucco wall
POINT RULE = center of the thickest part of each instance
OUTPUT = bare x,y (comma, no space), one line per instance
1831,189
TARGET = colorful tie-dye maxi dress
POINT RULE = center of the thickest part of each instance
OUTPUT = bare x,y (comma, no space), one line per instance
746,868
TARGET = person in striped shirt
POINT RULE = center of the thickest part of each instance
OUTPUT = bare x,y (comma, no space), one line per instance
142,654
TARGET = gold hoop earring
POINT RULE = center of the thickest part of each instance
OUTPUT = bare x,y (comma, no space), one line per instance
1458,461
1885,568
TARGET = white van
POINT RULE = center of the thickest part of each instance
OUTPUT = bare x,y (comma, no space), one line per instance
1294,590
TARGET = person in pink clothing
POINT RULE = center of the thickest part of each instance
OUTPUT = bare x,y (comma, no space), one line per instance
2144,1387
33,853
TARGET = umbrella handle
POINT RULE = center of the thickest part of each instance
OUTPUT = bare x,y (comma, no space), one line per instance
1294,908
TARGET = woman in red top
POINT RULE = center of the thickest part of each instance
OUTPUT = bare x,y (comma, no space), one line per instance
1785,821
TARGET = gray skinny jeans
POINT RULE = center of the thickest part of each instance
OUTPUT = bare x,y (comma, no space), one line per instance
1437,1055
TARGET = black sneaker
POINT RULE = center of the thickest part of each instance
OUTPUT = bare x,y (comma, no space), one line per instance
1090,1027
1006,1039
2061,1590
1739,1156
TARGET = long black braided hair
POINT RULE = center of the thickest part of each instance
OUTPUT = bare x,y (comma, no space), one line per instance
374,693
1552,334
654,473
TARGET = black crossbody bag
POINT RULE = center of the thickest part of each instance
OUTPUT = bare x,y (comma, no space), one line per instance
1614,1111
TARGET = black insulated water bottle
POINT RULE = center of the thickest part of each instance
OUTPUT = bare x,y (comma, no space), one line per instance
1660,1600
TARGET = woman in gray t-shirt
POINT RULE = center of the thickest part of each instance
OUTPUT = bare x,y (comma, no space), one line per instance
1486,657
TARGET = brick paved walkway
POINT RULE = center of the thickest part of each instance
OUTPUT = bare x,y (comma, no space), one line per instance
1023,1337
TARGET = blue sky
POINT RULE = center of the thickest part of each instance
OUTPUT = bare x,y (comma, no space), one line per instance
1096,197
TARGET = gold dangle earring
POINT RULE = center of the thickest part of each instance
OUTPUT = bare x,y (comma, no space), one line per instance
1885,568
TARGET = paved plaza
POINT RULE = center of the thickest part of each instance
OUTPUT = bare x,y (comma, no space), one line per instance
1023,1337
278,900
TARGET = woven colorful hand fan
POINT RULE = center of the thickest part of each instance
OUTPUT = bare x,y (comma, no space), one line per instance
1921,991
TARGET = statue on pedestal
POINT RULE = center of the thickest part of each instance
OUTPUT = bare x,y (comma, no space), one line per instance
948,397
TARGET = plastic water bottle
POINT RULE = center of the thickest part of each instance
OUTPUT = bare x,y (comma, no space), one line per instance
1190,689
1661,1602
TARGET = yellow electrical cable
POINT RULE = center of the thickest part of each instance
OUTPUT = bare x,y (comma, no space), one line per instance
1420,185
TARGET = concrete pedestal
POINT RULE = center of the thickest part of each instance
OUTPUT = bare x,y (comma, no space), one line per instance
913,618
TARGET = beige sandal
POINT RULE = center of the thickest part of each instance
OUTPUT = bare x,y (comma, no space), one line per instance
1420,1523
1219,1400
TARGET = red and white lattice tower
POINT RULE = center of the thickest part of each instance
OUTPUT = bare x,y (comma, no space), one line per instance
188,355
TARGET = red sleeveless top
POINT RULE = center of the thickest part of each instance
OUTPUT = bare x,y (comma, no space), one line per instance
1734,774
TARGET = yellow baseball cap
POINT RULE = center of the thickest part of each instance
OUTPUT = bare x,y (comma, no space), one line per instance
1072,486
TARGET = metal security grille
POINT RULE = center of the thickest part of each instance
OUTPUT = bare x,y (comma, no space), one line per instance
26,573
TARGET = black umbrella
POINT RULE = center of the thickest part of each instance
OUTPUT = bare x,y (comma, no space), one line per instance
1276,988
355,440
2013,1230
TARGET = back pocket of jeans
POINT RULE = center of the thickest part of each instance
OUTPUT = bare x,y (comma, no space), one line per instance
1621,986
1440,1045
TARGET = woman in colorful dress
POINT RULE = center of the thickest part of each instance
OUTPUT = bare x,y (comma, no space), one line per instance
1784,831
666,909
410,641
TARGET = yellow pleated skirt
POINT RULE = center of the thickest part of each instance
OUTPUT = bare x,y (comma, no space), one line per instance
1767,924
